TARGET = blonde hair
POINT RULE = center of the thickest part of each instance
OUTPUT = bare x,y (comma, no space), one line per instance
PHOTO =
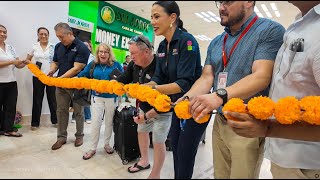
111,59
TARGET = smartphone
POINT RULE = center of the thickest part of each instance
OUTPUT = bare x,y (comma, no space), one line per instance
39,64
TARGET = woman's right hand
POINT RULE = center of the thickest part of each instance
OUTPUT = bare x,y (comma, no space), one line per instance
17,62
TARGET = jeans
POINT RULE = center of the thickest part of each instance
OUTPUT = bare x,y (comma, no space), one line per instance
87,112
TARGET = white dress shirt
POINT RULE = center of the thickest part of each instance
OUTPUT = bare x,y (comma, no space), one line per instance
7,74
44,56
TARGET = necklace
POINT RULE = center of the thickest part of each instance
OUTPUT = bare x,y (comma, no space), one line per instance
103,68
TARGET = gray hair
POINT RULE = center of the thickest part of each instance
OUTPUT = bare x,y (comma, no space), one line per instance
63,26
143,43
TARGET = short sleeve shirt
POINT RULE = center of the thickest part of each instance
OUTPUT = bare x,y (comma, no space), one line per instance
7,74
67,56
44,56
261,42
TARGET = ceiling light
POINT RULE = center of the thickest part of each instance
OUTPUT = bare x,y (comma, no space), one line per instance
264,7
268,14
199,15
212,19
256,9
199,37
273,6
277,13
259,14
211,13
207,20
218,18
205,14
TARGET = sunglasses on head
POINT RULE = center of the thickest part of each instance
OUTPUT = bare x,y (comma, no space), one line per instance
138,39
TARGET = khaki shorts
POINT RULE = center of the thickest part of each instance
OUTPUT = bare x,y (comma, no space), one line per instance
159,126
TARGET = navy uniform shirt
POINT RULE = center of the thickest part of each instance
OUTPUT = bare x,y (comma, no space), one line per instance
66,56
181,64
134,74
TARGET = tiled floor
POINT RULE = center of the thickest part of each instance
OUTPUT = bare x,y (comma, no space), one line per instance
31,157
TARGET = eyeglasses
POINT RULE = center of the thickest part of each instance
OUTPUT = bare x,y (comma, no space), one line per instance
223,3
137,39
104,52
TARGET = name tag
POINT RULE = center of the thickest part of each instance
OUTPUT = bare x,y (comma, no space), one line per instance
161,54
222,80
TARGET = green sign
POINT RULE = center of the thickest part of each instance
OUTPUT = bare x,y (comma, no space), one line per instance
114,19
108,24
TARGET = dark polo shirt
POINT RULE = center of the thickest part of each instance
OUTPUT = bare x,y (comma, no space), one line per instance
134,74
66,56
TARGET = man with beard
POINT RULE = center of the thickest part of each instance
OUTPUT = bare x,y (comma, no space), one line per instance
292,149
243,55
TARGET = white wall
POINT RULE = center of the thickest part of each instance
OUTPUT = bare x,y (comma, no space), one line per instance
22,19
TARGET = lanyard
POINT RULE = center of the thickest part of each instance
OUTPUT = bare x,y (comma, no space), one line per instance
224,55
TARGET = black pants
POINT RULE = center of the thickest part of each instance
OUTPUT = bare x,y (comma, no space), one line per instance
185,145
38,93
8,103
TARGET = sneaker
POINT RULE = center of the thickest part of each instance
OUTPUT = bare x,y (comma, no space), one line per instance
88,121
73,120
33,128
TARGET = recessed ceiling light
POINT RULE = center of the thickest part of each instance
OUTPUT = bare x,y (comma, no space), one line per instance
259,14
212,19
268,14
211,13
256,9
199,15
207,20
277,13
273,6
264,7
205,14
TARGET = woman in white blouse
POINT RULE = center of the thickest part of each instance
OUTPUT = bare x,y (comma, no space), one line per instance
8,84
42,54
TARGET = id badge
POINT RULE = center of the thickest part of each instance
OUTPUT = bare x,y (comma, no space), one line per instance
222,80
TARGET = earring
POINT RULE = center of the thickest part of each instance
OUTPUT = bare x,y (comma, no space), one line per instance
171,25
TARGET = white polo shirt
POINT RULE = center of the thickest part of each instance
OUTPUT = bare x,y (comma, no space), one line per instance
44,56
7,74
297,74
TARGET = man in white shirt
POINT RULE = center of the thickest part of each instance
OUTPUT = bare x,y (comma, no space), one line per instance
292,149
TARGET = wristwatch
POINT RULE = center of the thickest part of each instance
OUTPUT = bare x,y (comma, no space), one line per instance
223,94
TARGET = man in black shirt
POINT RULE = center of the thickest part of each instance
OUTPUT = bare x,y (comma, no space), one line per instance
70,57
141,69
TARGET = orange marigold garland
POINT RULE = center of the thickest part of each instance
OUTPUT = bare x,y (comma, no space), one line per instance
143,91
162,103
234,105
118,89
204,119
261,107
311,109
182,110
151,96
287,110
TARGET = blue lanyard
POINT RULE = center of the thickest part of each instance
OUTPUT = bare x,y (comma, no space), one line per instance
182,124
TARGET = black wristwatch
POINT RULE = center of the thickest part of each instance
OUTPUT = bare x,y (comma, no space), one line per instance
223,94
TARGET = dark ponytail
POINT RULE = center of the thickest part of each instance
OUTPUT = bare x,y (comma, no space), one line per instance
172,7
180,25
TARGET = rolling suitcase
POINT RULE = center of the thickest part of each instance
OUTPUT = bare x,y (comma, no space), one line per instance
125,134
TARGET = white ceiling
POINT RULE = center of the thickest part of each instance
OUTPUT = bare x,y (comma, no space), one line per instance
197,26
